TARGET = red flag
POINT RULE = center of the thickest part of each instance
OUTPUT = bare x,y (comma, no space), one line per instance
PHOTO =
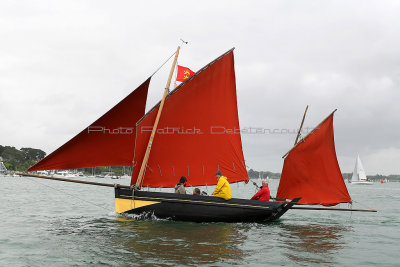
183,74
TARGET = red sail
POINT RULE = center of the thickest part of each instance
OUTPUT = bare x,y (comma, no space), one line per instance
198,132
311,170
109,141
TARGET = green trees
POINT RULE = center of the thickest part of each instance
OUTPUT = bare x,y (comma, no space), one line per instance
263,174
33,153
20,160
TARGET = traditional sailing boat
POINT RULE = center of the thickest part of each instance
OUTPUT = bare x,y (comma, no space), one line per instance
197,135
359,176
193,132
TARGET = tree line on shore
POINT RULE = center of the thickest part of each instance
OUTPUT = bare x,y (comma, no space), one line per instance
346,176
21,159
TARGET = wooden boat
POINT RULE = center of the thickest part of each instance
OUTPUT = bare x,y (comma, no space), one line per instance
197,208
193,132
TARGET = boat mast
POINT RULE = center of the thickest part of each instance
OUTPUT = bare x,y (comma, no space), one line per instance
153,132
316,127
301,126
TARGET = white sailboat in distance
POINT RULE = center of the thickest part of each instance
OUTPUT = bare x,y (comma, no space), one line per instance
3,168
359,176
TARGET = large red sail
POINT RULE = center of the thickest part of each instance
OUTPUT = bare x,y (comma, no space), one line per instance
311,170
198,132
109,141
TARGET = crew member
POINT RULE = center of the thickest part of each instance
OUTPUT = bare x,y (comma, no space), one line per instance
264,193
223,189
180,187
196,191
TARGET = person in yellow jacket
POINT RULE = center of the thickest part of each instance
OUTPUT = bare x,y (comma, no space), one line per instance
223,189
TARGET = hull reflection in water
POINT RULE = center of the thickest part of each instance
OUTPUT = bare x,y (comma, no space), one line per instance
184,243
320,242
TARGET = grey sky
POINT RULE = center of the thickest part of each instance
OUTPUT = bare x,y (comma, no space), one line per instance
64,63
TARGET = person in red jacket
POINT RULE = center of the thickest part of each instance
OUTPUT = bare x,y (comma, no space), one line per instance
264,193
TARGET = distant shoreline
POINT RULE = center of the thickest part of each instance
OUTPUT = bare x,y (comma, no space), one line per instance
21,159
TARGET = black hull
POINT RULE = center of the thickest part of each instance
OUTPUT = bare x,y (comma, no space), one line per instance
197,208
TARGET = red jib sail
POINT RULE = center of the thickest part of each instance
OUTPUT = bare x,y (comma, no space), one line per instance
109,141
198,132
311,170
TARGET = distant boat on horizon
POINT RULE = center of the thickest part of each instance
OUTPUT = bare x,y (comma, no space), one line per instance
359,176
3,168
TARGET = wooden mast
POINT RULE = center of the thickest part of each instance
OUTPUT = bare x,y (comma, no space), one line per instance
301,126
153,132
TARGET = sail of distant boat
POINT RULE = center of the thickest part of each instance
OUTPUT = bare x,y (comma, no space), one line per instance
311,170
2,167
358,173
359,176
109,141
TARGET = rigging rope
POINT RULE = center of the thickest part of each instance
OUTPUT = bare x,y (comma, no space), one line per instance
163,64
69,194
365,206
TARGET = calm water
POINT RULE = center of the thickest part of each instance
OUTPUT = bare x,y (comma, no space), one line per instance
64,224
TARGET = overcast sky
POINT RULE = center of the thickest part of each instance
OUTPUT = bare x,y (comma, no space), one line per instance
64,63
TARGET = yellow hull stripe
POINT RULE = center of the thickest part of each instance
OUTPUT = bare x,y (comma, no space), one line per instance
204,202
123,205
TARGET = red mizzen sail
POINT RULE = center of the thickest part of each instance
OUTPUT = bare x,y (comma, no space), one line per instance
198,132
311,170
109,141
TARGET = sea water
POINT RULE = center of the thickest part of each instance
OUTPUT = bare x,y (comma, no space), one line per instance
50,223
